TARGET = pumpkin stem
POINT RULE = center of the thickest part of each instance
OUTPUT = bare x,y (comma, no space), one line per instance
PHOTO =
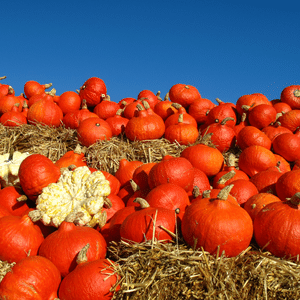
119,112
47,85
107,203
145,103
73,216
82,255
243,117
231,160
278,115
22,198
83,104
166,97
196,192
142,202
245,107
219,101
180,118
297,93
295,200
79,150
134,185
35,215
10,90
226,177
52,92
226,120
140,107
102,219
158,96
176,105
224,193
206,194
3,77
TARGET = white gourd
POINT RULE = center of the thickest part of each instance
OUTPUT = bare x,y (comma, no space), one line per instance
79,192
9,167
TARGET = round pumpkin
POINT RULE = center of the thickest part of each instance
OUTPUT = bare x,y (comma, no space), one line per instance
92,130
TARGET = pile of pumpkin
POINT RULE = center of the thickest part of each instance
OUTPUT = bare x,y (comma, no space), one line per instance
57,218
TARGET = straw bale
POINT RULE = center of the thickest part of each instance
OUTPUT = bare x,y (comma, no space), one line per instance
174,271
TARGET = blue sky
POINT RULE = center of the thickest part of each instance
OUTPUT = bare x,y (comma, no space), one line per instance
224,48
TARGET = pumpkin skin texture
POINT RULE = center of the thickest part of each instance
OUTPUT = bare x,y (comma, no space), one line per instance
164,108
242,190
251,135
288,146
92,91
9,199
126,170
149,96
63,245
69,101
200,108
223,136
205,158
291,96
138,226
257,202
276,228
290,119
32,87
184,94
145,126
177,170
111,230
141,175
222,111
74,118
45,112
32,278
272,131
288,184
92,130
255,158
36,172
13,118
184,134
211,222
265,181
117,204
170,196
27,238
117,123
73,157
106,108
262,115
98,278
251,100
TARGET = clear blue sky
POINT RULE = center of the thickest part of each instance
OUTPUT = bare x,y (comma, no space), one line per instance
224,48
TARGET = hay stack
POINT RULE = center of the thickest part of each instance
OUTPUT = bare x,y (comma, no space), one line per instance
156,270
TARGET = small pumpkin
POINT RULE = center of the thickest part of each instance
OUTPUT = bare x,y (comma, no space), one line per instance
139,226
276,228
32,87
99,278
32,278
184,94
36,172
92,130
92,91
63,245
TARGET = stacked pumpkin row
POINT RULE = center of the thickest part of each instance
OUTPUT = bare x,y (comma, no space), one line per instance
218,205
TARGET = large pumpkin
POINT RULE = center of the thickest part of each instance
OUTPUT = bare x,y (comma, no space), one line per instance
217,225
277,228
